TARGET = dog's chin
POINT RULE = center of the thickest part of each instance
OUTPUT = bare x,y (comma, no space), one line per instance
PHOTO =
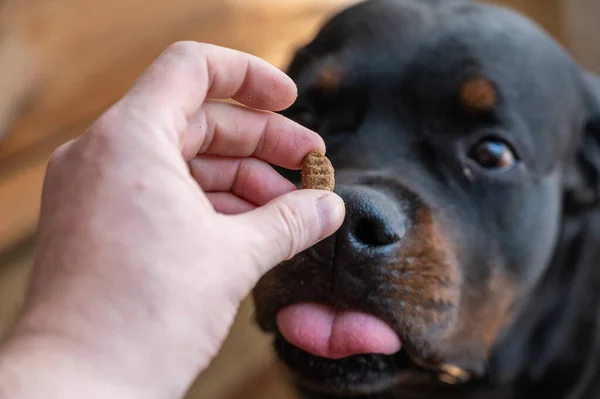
354,375
364,374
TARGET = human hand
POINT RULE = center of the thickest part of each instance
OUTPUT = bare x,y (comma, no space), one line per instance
159,220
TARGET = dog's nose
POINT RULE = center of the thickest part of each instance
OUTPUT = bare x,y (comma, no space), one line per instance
374,220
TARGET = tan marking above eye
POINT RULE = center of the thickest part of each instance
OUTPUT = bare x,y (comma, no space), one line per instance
478,94
329,79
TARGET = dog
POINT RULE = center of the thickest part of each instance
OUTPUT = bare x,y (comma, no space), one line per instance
466,147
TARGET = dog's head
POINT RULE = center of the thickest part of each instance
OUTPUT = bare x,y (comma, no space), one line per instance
463,137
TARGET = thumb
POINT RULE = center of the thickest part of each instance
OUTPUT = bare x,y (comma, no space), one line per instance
290,224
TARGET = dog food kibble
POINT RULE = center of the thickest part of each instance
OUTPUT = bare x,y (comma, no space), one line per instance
317,172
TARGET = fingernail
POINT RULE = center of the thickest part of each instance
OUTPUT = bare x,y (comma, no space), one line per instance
331,210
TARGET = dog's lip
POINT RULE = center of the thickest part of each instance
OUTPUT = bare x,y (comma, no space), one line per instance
324,332
367,373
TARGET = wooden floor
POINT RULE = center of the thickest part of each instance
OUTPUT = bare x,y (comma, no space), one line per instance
73,58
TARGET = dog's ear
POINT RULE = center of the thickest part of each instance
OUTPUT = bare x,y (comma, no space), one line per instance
582,179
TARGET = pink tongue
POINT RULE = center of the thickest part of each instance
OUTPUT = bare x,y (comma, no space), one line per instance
322,332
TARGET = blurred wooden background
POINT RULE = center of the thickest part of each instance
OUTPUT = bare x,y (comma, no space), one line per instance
62,62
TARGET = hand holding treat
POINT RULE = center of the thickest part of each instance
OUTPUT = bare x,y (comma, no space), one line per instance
156,223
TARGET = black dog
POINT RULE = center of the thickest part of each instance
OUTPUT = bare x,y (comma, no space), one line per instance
466,146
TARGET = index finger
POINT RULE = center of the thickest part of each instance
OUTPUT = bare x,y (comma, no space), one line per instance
175,86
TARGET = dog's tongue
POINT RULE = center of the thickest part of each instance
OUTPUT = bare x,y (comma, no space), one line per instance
322,332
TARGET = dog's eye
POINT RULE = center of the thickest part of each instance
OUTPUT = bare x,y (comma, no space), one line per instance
493,154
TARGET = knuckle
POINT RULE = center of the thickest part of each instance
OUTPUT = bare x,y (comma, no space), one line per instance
180,46
107,120
185,47
183,57
102,139
58,156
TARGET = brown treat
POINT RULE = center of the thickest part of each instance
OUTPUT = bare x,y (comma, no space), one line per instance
317,172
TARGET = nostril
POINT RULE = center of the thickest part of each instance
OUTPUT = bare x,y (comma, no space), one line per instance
375,220
374,232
